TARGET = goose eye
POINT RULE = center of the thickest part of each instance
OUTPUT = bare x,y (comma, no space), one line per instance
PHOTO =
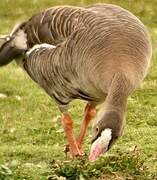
97,129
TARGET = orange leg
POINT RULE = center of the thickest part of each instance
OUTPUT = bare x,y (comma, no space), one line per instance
90,112
68,128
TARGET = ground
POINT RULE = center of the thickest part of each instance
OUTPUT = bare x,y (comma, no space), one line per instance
31,136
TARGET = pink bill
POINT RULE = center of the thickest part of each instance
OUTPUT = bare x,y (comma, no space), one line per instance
95,153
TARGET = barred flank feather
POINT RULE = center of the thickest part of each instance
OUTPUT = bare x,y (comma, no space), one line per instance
93,45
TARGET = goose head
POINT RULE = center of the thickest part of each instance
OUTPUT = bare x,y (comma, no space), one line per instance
107,128
12,46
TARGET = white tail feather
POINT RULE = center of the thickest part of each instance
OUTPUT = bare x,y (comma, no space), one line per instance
38,46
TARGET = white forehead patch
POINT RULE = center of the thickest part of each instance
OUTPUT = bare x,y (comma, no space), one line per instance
106,135
104,139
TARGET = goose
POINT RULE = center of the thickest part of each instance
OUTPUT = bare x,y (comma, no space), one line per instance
100,53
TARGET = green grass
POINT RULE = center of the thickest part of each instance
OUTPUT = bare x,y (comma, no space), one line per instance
31,135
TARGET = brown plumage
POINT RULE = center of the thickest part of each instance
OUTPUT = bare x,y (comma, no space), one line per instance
102,55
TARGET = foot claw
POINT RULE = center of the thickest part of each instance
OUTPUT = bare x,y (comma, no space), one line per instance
73,152
66,148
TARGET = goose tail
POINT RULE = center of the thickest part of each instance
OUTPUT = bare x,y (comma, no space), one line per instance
13,45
